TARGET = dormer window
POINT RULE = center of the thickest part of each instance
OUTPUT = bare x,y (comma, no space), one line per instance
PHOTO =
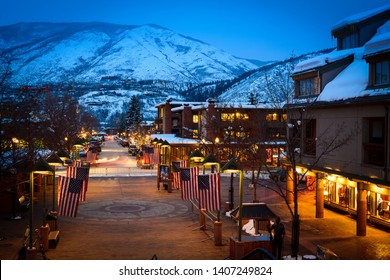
349,41
379,74
382,70
306,87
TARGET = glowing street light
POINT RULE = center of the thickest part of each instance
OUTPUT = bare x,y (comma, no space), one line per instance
40,167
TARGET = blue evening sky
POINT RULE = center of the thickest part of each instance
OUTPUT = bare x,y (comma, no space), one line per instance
259,29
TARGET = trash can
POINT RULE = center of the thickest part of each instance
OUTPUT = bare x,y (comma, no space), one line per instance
51,219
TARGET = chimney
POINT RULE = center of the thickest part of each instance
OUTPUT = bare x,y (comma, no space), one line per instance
167,119
187,121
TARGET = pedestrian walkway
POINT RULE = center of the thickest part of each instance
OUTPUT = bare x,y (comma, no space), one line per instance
129,218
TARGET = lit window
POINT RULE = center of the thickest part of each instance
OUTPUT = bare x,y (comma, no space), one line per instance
227,117
195,119
272,117
231,117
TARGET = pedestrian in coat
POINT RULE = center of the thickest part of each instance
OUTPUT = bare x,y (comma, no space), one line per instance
279,232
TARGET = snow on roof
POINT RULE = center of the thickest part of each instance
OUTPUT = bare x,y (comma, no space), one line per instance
350,83
322,60
173,139
353,80
380,42
201,106
360,17
182,103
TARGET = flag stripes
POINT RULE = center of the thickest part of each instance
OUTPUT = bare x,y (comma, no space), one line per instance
189,182
176,165
81,173
69,190
209,191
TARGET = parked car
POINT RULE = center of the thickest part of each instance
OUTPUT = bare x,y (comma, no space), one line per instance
133,150
124,143
279,175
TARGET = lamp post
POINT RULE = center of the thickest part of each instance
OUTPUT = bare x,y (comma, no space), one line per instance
63,155
40,167
166,152
196,156
233,167
54,160
211,160
76,151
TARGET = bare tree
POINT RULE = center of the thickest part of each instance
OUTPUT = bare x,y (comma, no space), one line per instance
302,138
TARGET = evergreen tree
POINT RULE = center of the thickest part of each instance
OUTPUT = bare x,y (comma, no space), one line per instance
133,116
252,99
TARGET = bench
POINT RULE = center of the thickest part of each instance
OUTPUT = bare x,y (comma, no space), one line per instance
54,237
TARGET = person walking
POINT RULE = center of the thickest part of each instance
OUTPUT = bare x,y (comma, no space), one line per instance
279,233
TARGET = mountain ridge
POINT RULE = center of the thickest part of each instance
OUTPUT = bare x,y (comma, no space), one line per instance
86,52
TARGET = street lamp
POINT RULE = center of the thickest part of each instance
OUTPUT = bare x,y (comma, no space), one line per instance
155,141
196,156
233,167
166,152
63,155
40,167
54,160
211,160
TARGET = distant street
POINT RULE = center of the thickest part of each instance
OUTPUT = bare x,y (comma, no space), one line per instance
125,216
114,154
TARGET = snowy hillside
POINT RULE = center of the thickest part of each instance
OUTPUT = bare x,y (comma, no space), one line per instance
270,84
108,104
88,52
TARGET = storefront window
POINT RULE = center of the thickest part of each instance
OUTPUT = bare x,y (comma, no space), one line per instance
383,206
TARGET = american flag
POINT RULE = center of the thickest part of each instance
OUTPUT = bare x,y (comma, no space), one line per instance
209,191
189,183
147,154
69,191
81,173
81,163
77,163
176,165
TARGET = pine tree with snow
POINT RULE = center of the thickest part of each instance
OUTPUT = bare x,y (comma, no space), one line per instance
252,99
133,116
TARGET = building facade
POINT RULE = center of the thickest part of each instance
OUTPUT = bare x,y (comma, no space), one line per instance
340,120
227,130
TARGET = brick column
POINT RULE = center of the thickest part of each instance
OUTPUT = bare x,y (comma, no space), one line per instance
361,219
212,127
319,187
187,121
167,119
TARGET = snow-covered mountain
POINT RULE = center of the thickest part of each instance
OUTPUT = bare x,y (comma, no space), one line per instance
270,83
90,52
